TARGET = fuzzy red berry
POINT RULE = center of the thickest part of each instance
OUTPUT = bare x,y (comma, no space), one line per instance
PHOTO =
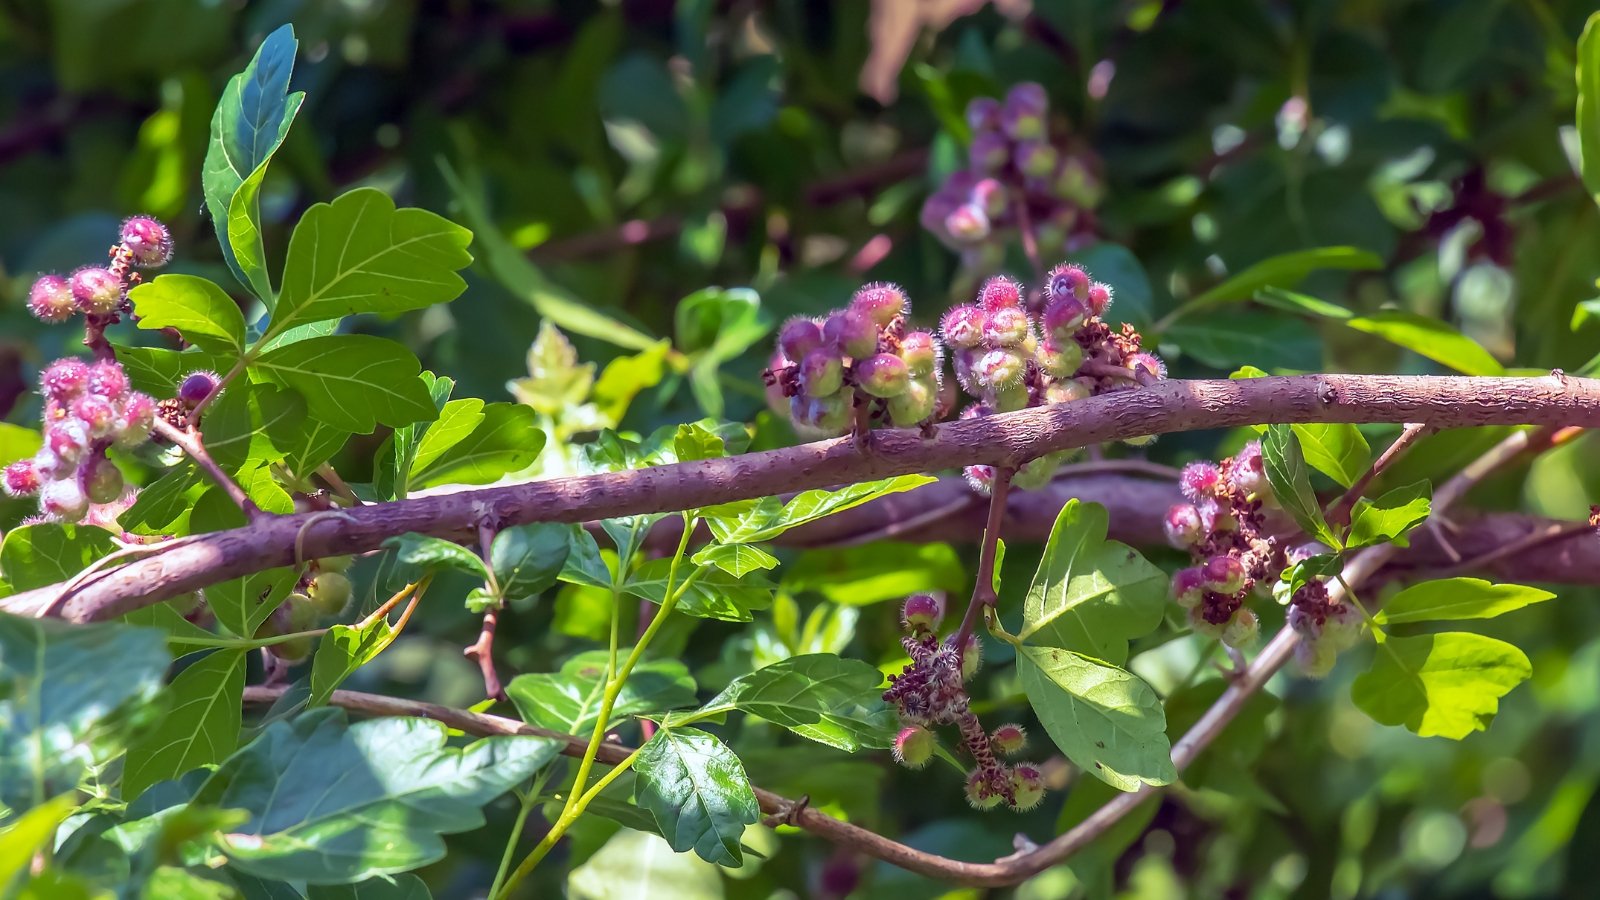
97,414
917,405
967,224
922,612
148,241
137,418
1147,365
1008,326
50,299
96,290
1067,391
880,303
920,352
999,293
1183,526
63,500
963,326
1188,587
1027,786
1009,739
1098,298
22,478
107,379
990,196
1200,479
1224,574
998,369
913,746
64,379
1242,630
1248,472
67,439
1068,281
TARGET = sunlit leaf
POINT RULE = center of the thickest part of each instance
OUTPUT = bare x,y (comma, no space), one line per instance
713,595
697,790
569,700
1291,482
821,696
1429,338
1440,685
200,310
771,517
1391,516
1105,719
352,381
1458,598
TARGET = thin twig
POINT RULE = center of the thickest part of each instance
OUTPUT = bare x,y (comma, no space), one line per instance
338,484
1549,534
983,594
1338,513
190,443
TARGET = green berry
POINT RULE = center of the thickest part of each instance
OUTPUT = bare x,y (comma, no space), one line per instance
883,375
330,591
913,746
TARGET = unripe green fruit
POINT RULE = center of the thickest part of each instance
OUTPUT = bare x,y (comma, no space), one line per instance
916,405
1027,786
880,303
1067,391
883,375
998,368
184,604
1315,657
971,658
303,614
1008,326
913,746
821,373
1036,474
1060,359
853,333
920,353
1243,630
336,563
330,591
1009,397
979,794
103,481
293,650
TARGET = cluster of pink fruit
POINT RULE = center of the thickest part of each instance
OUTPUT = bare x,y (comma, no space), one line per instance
1016,176
1224,528
931,691
1010,359
861,357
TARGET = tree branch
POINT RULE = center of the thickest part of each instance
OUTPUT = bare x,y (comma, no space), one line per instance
1005,439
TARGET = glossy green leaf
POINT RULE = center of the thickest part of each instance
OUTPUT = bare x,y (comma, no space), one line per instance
359,254
1588,112
875,572
569,700
1429,338
1090,594
641,864
343,650
242,604
352,381
821,696
770,517
503,440
1291,482
1282,271
1105,719
158,371
584,564
1336,449
697,790
198,308
249,125
1457,598
432,554
260,422
200,728
1440,685
35,556
1290,301
65,693
526,559
376,800
398,887
713,595
1391,516
737,560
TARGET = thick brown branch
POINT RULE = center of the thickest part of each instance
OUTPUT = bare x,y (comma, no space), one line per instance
1007,439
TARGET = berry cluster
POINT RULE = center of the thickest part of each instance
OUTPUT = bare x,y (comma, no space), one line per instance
931,691
88,408
1016,176
101,292
862,357
323,590
1009,358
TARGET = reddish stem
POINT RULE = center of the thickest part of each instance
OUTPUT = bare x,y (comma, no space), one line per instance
983,594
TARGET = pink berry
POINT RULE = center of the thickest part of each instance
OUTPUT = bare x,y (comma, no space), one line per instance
64,379
97,414
50,466
107,379
1060,358
1009,739
883,375
922,612
1147,364
998,369
1183,526
1224,575
1027,786
853,333
1248,472
1188,587
990,151
102,480
980,478
1099,298
148,241
983,113
1200,479
1063,316
821,373
196,387
50,299
67,440
137,418
22,478
913,746
1008,326
962,327
1000,293
968,224
920,352
98,291
880,303
798,337
1068,280
63,500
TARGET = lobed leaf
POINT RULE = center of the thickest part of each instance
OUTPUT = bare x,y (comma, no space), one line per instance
352,381
197,307
1391,516
1440,685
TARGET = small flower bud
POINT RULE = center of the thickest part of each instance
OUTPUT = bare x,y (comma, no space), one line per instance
67,439
821,372
852,333
148,241
107,379
1243,630
137,418
922,612
968,224
1183,526
63,500
1315,658
1188,587
990,196
196,387
1224,575
330,592
64,379
990,151
1200,479
22,479
1022,113
1009,739
880,303
920,353
1067,391
50,299
883,375
913,746
997,369
1007,327
963,326
798,337
102,480
980,793
983,114
1099,298
971,658
1036,159
97,290
1027,786
1060,359
917,405
1248,472
1147,364
97,414
1000,293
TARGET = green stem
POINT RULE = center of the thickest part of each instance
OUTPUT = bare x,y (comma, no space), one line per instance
244,643
529,800
559,829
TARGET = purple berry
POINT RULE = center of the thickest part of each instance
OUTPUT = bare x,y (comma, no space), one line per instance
102,480
1064,315
1068,280
1036,159
1224,575
1148,365
63,380
990,151
98,291
880,303
1248,472
196,387
22,478
1200,479
798,337
50,299
852,333
968,224
983,113
148,241
922,612
106,379
63,500
1027,786
981,478
883,375
999,293
821,373
962,327
990,196
1099,298
1183,526
1188,587
1009,739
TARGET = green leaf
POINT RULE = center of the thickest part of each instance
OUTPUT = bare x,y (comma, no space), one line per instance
399,887
432,554
1429,338
584,563
737,560
1227,339
241,605
504,439
821,696
157,371
713,595
359,254
1391,516
639,864
1105,719
697,790
527,559
251,120
1282,271
1291,482
1457,598
343,650
1289,301
260,422
568,701
201,728
1090,594
1337,450
352,381
333,803
770,517
1440,685
35,556
162,502
875,572
65,692
200,310
1588,112
33,831
694,441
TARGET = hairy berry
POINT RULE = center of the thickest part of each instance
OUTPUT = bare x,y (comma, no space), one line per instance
963,327
989,153
1063,316
917,405
96,290
1000,293
1036,158
1060,358
913,746
63,500
1183,526
1147,364
821,373
990,196
50,299
98,415
1098,298
22,478
971,658
920,352
983,113
980,793
138,417
196,387
822,416
107,379
67,439
1315,657
1068,281
1188,587
922,612
64,379
1008,326
102,480
148,241
798,337
880,303
1224,574
1249,473
852,333
883,375
1009,739
1027,786
1200,479
1243,629
1067,391
997,369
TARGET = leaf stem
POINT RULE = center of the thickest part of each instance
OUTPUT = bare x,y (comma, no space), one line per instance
1338,512
529,799
575,808
983,594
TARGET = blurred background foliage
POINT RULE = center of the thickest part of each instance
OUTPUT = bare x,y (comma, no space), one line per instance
615,159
